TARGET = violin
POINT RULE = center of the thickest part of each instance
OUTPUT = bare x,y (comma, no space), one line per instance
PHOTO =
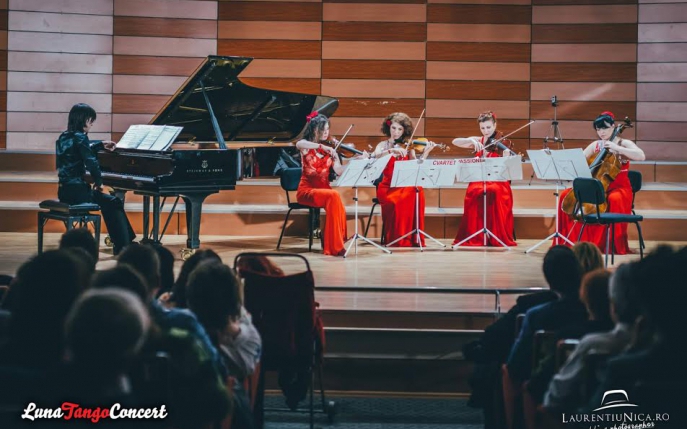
420,144
343,149
605,167
497,143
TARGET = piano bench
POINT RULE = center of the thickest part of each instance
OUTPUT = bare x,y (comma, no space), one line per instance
72,216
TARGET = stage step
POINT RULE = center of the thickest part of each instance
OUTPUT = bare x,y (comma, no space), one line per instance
36,186
267,219
359,359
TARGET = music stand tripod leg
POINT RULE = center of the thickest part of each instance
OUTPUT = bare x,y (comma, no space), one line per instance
356,236
484,229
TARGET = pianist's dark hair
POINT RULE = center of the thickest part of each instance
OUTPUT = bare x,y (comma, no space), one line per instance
78,116
315,128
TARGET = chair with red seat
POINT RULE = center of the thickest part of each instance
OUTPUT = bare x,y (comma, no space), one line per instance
284,312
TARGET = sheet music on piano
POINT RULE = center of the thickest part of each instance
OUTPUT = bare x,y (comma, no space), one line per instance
149,137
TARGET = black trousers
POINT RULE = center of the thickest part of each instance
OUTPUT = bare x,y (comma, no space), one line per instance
111,207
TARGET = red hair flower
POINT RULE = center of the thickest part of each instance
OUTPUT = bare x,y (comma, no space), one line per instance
607,113
493,115
310,116
388,122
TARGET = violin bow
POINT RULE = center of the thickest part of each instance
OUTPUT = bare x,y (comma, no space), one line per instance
344,136
415,129
495,142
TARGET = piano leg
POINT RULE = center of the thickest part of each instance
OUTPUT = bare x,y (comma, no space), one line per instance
156,219
194,208
146,218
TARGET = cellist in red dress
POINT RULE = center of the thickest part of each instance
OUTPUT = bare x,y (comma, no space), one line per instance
618,194
499,194
314,189
398,204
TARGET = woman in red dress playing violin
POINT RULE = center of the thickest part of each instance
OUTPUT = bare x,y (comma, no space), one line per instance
618,194
499,194
398,204
314,189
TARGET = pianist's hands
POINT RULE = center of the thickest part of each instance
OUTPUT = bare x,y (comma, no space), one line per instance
109,145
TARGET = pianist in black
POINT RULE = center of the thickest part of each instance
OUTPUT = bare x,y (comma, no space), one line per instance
76,154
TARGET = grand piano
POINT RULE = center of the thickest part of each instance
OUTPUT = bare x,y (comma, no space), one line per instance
221,118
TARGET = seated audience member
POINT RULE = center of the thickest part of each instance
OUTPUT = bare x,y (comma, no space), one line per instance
567,388
166,258
214,296
123,277
594,296
81,238
654,377
491,350
46,286
259,264
563,273
589,256
145,261
178,296
105,331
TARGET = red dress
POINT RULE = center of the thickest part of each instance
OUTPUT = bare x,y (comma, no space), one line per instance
499,213
619,198
314,191
398,209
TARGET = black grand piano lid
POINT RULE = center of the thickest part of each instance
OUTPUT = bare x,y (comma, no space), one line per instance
243,112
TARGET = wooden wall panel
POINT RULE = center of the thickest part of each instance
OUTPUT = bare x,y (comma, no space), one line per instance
343,12
380,31
269,11
283,37
267,30
588,73
662,52
477,90
480,33
155,66
479,14
453,57
58,54
586,33
601,53
454,51
583,14
584,91
662,91
67,82
271,49
375,61
60,23
369,69
157,45
662,80
478,59
83,7
164,27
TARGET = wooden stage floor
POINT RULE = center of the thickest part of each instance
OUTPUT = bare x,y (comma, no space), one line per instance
474,268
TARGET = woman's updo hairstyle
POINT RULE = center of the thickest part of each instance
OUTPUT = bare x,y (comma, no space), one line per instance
604,120
315,127
486,116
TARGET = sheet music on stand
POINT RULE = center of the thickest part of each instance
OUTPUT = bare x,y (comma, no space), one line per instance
430,173
362,172
558,165
497,169
565,164
149,137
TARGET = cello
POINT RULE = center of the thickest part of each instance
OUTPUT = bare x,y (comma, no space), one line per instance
604,166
